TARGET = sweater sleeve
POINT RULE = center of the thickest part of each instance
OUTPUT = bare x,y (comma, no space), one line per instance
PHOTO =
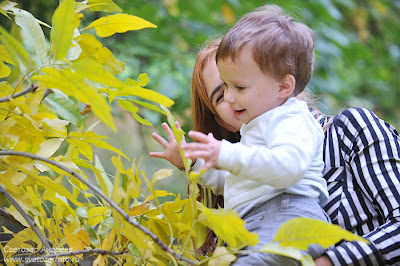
212,178
290,144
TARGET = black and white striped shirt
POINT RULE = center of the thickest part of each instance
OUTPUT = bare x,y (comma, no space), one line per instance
362,169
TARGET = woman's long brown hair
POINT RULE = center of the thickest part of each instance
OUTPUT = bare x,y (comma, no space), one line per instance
204,121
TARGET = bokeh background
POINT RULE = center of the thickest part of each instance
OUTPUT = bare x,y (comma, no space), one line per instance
357,60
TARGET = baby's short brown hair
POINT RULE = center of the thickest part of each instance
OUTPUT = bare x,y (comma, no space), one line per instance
279,45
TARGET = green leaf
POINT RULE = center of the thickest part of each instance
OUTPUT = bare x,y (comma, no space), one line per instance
103,5
66,107
301,232
32,32
64,23
109,25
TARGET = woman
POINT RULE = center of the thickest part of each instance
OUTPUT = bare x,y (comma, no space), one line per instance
362,167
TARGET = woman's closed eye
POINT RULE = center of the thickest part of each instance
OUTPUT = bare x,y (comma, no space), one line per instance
220,97
240,88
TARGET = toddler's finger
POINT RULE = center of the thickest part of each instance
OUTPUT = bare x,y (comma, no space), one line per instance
168,131
157,154
160,139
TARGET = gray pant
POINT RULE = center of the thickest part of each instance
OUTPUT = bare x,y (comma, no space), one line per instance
267,218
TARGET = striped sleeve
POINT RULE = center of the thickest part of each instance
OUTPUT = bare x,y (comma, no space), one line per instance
370,148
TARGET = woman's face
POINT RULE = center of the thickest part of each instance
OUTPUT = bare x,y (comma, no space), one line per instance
215,92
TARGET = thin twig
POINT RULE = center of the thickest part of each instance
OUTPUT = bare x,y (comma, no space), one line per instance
46,93
128,218
31,88
76,252
29,220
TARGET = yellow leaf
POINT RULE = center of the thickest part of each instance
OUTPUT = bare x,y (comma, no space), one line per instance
64,21
228,226
149,106
300,232
4,56
83,148
134,184
50,124
136,236
49,184
127,105
72,240
139,210
221,257
161,174
6,6
228,14
91,47
48,147
101,179
109,25
108,242
99,261
173,210
93,138
291,252
84,236
103,5
17,52
160,193
34,100
137,90
95,71
96,215
73,84
5,71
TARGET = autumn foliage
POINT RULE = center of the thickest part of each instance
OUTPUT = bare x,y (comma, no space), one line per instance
47,88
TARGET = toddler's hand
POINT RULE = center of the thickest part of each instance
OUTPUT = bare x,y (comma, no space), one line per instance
171,151
206,147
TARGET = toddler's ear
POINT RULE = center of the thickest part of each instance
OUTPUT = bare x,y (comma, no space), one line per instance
287,85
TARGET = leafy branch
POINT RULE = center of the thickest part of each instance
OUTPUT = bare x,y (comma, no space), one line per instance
29,221
30,89
129,219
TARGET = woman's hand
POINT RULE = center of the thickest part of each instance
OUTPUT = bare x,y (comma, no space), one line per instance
323,261
171,150
206,147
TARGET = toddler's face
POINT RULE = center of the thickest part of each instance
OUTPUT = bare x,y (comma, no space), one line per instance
248,90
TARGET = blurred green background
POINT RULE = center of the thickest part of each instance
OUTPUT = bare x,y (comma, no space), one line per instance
357,59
